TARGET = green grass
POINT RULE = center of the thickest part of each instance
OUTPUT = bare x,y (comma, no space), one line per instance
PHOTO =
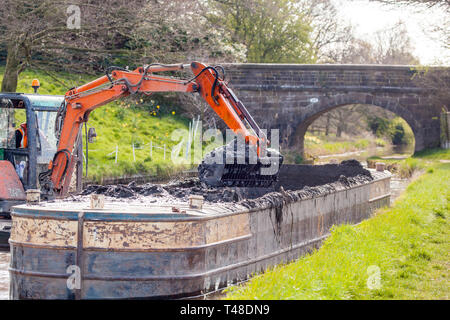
120,123
323,145
408,243
419,161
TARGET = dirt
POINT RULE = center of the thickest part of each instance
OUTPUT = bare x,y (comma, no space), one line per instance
175,190
275,200
296,177
312,180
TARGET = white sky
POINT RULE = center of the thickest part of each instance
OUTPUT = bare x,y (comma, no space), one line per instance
369,17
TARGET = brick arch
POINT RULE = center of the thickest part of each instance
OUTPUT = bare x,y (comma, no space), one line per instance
315,110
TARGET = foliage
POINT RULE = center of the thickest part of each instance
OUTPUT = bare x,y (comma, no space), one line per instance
110,32
272,31
391,45
379,126
397,130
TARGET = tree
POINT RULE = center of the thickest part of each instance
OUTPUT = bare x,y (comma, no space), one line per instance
329,32
389,46
271,30
37,30
440,29
393,46
111,32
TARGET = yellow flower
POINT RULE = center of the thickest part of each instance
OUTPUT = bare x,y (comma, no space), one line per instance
157,107
173,112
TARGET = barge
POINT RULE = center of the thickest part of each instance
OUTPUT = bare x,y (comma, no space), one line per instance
145,250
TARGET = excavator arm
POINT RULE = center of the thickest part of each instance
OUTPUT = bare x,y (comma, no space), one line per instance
118,83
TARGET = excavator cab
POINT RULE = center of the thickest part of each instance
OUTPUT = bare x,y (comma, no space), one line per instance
20,164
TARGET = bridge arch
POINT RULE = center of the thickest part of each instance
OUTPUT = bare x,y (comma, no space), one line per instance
324,105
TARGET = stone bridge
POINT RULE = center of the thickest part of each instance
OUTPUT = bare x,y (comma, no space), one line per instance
290,97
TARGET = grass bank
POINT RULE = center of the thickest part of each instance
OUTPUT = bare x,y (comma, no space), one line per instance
120,124
419,161
402,252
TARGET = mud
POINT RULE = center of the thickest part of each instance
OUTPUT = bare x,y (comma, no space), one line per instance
274,199
296,177
176,190
310,180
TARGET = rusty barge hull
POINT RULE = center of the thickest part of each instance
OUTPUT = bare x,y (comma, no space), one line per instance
150,252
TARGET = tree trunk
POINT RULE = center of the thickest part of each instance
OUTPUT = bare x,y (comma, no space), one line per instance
338,131
327,126
14,67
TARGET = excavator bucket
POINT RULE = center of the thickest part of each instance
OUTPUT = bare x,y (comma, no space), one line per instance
239,169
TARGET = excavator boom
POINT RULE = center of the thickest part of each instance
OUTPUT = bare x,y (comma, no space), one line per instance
118,83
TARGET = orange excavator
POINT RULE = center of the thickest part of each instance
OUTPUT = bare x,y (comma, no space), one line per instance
208,81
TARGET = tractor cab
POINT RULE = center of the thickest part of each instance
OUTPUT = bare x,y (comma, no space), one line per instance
27,143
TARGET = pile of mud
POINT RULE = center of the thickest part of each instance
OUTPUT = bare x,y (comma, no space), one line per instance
279,199
296,177
176,190
312,180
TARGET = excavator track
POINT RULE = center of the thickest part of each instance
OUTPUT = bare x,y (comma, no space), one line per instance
262,172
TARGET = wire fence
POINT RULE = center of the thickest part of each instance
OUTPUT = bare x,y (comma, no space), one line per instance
194,128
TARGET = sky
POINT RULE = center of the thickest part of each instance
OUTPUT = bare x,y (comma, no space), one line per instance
369,17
